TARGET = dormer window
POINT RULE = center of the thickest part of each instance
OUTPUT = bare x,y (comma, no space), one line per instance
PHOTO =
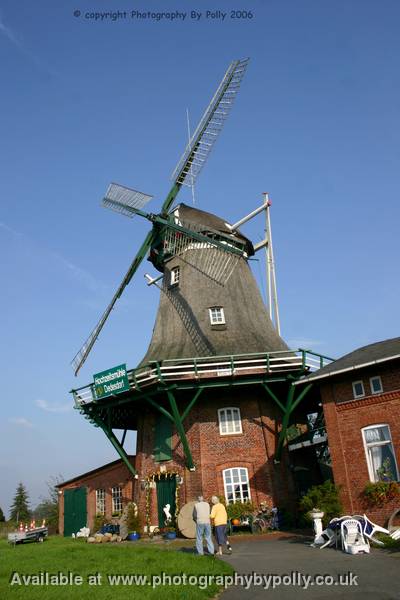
217,316
376,385
175,276
358,389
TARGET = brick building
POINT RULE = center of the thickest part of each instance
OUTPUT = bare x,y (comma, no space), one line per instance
360,394
102,491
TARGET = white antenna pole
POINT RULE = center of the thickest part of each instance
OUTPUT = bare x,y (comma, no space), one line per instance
191,171
271,279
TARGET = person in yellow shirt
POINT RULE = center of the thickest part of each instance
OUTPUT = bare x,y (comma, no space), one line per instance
219,519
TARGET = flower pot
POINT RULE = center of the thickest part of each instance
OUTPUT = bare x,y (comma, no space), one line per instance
132,537
170,535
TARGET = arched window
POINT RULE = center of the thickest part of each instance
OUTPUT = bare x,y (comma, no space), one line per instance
379,451
229,421
236,485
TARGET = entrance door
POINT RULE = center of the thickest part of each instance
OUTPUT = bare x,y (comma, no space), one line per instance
75,512
165,495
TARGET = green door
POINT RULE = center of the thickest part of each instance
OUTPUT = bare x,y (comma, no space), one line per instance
166,487
75,513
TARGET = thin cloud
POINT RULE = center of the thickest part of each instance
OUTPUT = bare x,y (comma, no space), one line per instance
8,32
53,408
304,343
80,275
75,272
21,422
9,229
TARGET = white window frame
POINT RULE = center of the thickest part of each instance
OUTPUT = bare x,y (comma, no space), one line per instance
229,486
377,377
175,276
217,318
368,445
231,425
354,383
100,501
116,497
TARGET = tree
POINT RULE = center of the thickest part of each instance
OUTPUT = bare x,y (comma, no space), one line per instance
2,517
20,507
48,507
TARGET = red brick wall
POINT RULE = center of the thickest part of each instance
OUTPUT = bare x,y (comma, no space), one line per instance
345,417
212,452
113,476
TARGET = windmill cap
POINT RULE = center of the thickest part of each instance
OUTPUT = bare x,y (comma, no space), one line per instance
207,219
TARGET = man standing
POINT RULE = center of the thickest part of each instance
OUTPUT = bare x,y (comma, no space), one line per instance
220,520
201,516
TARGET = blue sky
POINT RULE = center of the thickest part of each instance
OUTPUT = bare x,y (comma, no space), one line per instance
85,102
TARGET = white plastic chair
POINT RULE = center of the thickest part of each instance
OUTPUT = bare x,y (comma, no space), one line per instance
395,535
353,540
373,529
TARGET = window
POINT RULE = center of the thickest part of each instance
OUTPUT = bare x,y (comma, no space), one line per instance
376,385
100,502
236,485
380,455
116,495
217,316
175,274
229,421
358,389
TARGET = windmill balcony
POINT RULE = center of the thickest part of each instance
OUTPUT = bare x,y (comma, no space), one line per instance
298,363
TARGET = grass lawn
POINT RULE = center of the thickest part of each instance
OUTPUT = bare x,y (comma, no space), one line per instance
81,559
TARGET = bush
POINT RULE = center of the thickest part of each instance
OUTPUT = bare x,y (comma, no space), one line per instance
376,494
325,497
239,509
98,523
389,542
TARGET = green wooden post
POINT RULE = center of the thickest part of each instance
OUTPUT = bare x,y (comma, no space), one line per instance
114,440
191,404
181,431
285,421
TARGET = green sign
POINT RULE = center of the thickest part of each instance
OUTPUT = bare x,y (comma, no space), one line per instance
110,382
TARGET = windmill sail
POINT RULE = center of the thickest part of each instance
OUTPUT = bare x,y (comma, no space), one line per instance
213,261
210,125
83,353
124,200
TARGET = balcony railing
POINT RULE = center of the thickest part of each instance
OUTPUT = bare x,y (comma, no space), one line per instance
211,367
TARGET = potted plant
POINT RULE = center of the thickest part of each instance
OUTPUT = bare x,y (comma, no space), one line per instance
170,533
133,523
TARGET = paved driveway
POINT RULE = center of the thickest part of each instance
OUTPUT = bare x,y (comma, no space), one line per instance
374,576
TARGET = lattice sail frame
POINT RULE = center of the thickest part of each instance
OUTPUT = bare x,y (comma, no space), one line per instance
215,262
122,199
210,125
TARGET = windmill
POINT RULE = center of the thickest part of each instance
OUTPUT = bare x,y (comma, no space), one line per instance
219,252
214,395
